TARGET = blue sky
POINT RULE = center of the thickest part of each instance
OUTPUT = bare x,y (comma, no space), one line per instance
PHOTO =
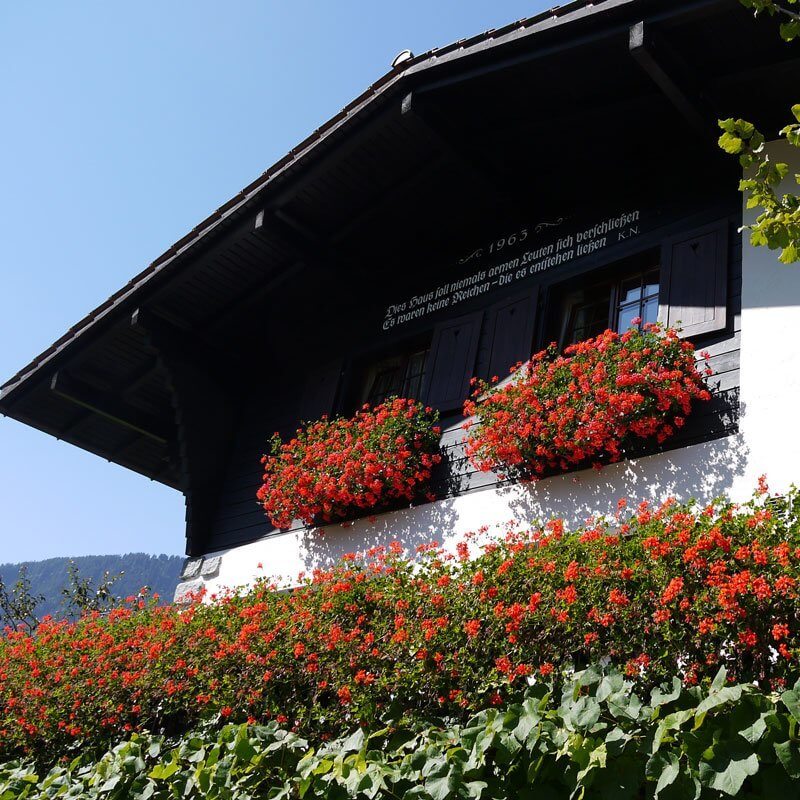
123,126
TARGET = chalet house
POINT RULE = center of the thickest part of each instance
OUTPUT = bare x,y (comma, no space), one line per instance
540,182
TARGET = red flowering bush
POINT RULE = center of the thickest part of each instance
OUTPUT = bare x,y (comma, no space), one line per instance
677,588
585,406
334,467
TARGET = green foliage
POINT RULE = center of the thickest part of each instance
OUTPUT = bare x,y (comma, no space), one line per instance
18,604
778,223
790,20
660,590
593,736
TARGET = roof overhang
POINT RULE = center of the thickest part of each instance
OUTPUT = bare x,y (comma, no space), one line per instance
107,385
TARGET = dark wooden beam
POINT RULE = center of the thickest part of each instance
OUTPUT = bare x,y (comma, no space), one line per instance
206,396
425,119
168,474
304,244
129,441
296,224
548,43
671,76
120,393
252,297
388,199
124,390
226,368
777,70
109,406
139,377
81,417
312,252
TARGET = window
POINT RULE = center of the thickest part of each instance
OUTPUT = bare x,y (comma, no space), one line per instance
585,308
637,297
586,315
401,374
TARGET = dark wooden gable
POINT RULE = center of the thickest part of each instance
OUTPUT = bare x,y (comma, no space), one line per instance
320,388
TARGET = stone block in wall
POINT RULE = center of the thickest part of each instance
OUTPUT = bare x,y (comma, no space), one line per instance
211,566
185,590
191,568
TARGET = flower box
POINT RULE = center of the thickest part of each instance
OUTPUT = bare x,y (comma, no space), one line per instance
588,405
335,469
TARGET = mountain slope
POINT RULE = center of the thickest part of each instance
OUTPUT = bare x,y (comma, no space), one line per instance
48,577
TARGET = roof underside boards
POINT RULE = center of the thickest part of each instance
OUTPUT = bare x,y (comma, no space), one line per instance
506,124
317,145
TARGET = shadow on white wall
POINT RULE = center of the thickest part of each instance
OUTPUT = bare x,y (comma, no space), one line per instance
717,469
704,471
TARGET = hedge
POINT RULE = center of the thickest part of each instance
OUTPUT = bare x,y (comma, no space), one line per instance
673,589
597,737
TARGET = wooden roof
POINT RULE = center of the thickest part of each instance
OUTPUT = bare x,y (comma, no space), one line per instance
420,137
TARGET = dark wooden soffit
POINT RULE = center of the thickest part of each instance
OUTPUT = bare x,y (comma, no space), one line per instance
109,406
674,78
558,28
56,392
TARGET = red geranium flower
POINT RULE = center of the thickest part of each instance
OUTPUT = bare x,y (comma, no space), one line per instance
585,406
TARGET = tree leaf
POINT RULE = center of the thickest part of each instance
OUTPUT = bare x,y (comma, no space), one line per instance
353,742
728,694
441,788
789,756
664,769
585,712
727,770
164,771
719,679
661,695
731,143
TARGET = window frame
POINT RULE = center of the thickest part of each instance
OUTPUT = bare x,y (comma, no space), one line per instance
398,373
559,311
357,392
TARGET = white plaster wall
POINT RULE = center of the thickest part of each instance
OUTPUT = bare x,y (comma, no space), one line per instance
768,442
770,354
704,471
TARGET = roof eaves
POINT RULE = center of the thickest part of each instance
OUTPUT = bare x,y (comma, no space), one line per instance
548,20
433,58
211,223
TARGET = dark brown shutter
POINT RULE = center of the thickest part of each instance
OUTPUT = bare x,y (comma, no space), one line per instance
510,332
452,361
694,280
319,391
